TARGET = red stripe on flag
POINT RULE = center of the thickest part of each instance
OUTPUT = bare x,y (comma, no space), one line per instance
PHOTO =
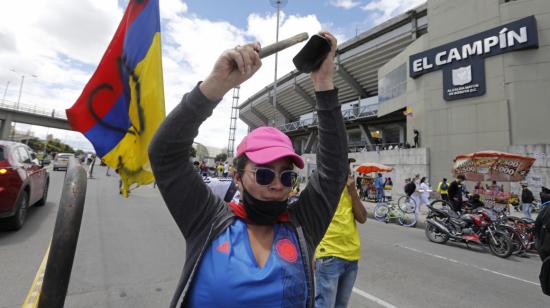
105,86
134,9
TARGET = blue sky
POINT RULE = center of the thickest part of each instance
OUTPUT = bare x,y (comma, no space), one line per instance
61,42
237,11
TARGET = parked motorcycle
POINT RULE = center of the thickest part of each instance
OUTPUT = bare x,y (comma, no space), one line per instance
476,227
520,231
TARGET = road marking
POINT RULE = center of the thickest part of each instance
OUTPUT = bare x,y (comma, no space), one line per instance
373,298
466,264
31,300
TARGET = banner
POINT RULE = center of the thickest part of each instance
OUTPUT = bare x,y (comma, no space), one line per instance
492,166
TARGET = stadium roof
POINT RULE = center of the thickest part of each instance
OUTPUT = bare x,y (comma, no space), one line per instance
357,64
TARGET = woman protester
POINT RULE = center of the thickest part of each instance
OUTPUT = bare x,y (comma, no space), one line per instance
257,252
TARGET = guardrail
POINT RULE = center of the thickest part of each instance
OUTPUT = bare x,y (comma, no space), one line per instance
54,113
351,114
65,237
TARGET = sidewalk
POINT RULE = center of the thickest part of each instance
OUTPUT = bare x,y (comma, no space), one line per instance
421,222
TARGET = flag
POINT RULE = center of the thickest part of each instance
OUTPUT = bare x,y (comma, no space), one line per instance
122,105
408,112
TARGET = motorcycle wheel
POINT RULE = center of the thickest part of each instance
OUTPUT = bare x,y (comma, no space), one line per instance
503,247
517,244
435,235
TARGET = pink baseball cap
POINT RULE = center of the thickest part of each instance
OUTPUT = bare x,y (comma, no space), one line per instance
266,144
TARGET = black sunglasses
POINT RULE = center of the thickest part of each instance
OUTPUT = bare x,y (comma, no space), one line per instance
265,176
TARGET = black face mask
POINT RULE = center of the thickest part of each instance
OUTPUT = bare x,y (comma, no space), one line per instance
262,212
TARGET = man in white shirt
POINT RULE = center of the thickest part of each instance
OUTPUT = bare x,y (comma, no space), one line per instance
225,169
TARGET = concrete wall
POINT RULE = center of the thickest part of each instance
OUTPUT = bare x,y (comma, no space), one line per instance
406,163
515,109
540,172
527,76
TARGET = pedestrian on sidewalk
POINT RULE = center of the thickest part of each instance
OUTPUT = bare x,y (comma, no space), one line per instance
108,172
339,252
410,187
443,189
225,169
424,194
544,196
388,187
379,185
527,199
455,192
416,194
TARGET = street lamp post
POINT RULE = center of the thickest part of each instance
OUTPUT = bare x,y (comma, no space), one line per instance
278,4
20,91
20,87
5,92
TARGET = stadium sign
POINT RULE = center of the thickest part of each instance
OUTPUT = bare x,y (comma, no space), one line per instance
462,61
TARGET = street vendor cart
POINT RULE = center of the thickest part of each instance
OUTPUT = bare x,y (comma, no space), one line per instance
366,172
493,166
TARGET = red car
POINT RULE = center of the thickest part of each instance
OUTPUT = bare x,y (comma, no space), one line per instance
23,182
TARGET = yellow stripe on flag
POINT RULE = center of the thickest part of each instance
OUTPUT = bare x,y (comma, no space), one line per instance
130,154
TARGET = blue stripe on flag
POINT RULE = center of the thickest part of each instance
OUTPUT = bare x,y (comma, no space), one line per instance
104,138
140,34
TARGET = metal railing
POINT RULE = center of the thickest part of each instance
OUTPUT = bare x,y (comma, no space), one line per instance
65,237
34,109
351,114
364,146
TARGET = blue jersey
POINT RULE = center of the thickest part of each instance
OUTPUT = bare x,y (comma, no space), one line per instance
229,276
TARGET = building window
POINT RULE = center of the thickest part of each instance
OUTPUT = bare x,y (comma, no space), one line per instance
394,84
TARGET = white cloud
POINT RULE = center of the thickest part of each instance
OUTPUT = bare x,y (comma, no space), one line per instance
63,41
193,46
385,9
58,41
345,4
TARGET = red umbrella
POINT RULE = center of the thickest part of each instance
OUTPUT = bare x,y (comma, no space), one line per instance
492,166
373,167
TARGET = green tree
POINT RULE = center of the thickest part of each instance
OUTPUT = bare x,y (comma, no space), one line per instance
221,157
35,144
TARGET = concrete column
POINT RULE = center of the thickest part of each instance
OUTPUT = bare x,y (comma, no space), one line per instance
5,128
414,25
311,139
401,134
366,132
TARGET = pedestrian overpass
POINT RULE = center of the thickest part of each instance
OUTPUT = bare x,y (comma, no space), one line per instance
27,114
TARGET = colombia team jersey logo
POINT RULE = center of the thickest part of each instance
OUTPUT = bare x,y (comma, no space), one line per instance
287,250
224,247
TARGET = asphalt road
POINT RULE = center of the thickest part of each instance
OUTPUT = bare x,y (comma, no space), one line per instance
130,254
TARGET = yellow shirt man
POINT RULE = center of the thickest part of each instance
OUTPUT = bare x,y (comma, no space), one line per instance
338,253
342,237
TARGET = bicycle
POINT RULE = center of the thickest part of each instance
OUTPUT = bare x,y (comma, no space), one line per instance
390,211
406,204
